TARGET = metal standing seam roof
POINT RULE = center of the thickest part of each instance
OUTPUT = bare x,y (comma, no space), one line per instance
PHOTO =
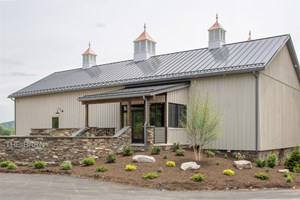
135,92
229,59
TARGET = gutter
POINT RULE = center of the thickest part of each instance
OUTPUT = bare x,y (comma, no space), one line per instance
257,133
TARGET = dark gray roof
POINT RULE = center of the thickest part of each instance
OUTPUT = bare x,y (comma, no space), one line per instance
135,92
231,58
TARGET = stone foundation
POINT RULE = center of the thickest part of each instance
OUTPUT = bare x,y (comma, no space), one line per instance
53,132
55,150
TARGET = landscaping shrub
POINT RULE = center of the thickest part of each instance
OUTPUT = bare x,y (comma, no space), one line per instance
286,174
160,170
5,163
238,156
175,146
155,150
289,179
130,168
180,152
296,169
88,161
260,163
217,162
102,169
209,153
225,156
12,166
262,176
66,165
127,151
292,160
271,160
170,164
39,165
150,175
228,172
111,157
165,157
198,177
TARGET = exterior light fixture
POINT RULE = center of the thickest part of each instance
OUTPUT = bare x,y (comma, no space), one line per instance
59,110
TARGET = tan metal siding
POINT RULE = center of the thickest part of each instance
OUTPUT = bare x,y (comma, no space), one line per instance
179,96
279,104
234,97
37,111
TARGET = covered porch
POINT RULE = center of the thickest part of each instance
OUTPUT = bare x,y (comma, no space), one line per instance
141,108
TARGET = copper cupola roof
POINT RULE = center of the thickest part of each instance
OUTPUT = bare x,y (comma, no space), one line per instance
89,51
216,25
144,36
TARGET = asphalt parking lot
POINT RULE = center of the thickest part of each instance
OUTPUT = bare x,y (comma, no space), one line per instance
56,187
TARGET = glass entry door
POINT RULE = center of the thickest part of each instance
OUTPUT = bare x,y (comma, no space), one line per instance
137,124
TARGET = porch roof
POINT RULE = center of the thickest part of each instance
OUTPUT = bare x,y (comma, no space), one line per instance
134,92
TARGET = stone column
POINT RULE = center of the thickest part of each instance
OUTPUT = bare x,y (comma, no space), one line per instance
150,137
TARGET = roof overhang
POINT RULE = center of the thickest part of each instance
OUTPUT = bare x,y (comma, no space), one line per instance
134,92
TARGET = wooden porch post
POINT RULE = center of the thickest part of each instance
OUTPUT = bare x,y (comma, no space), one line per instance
129,120
86,115
166,118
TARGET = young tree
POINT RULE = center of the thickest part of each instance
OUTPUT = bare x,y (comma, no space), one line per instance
202,123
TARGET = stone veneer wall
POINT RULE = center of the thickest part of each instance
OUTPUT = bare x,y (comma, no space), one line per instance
25,149
54,132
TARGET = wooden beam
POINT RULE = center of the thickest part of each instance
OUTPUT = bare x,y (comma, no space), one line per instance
87,115
166,117
114,100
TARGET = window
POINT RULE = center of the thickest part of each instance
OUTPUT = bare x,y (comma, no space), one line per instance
157,115
177,113
55,122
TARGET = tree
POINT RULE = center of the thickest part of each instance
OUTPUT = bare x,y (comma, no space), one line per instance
4,131
202,123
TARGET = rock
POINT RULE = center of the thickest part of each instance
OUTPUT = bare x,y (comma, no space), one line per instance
189,165
55,157
143,158
243,164
284,170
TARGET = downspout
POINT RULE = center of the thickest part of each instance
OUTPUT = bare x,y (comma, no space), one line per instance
257,134
15,116
146,120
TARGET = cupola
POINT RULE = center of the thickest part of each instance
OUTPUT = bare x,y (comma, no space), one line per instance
144,46
216,35
88,58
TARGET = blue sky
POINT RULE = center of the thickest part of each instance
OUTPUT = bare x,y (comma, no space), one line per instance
39,37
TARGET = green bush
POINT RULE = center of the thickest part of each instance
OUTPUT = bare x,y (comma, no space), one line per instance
170,164
286,174
228,172
130,168
165,157
111,157
180,152
293,160
155,150
5,163
175,146
289,179
198,177
296,169
271,160
127,151
88,161
260,163
66,165
209,153
225,156
102,169
12,166
150,175
238,156
39,165
262,176
217,162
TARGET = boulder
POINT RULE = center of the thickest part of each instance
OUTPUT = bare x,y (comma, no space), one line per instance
243,164
189,165
284,170
143,158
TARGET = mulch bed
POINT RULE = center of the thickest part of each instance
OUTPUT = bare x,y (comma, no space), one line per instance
172,178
